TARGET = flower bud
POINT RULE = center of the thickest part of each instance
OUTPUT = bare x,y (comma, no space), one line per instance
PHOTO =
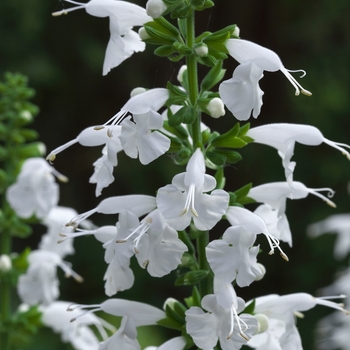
143,34
26,116
263,272
5,263
181,73
216,108
155,8
263,323
201,50
235,33
137,91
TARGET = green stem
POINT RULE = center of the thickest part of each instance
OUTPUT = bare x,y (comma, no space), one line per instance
191,63
5,295
206,285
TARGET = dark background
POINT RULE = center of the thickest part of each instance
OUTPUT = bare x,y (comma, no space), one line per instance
63,59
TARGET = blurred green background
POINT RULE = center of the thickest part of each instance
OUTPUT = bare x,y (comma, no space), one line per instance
63,59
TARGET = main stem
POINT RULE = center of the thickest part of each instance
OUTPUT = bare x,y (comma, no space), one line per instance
205,285
5,296
191,63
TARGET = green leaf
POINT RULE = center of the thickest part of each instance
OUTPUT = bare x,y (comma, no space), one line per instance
176,95
194,299
20,262
216,158
249,309
164,51
178,131
232,157
191,278
229,139
213,77
170,323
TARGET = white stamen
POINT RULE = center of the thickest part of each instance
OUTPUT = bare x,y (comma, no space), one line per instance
295,83
51,157
275,243
189,204
338,146
330,194
239,321
80,5
81,217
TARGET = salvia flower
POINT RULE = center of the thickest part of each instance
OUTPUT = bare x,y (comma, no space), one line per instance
137,203
39,285
139,135
57,217
242,94
134,314
78,333
283,137
281,311
123,16
233,257
253,224
338,224
186,198
35,191
221,322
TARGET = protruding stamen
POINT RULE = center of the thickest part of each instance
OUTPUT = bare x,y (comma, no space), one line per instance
330,194
275,243
235,316
189,204
79,218
338,146
295,83
80,5
52,156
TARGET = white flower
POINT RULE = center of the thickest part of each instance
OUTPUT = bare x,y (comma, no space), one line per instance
137,203
98,136
242,94
338,224
103,173
119,275
140,136
157,246
35,191
186,199
274,196
139,140
40,284
134,314
155,8
123,16
57,217
284,136
277,225
253,224
221,322
177,343
281,311
77,333
233,257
